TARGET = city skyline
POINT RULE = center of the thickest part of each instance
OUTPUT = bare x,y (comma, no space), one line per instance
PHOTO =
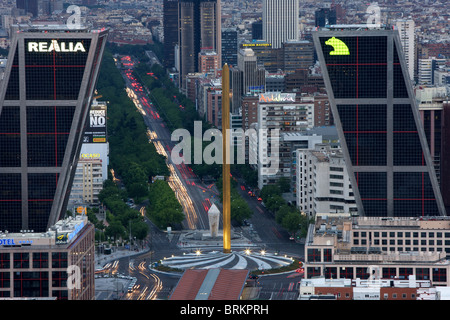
346,199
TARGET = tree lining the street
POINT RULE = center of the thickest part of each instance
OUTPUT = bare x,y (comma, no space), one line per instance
133,158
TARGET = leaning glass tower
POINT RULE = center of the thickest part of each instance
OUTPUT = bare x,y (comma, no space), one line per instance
378,123
45,96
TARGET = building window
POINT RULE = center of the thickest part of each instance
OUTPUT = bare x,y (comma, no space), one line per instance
40,260
327,255
59,260
4,261
440,274
31,284
362,273
330,273
422,274
313,272
314,255
59,278
21,260
5,280
346,272
389,273
403,273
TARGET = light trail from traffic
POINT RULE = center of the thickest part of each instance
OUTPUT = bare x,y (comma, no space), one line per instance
135,94
183,197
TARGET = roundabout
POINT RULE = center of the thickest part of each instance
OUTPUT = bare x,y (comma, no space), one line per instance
244,259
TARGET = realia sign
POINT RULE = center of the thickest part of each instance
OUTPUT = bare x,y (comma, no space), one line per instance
56,46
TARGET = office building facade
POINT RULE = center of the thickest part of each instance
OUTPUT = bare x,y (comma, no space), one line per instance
280,21
199,28
282,116
339,246
170,25
229,46
29,6
246,78
297,54
375,112
45,99
92,167
325,16
57,264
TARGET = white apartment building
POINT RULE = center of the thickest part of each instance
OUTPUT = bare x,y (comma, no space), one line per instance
407,37
280,21
425,71
88,181
278,114
92,167
323,184
290,145
427,68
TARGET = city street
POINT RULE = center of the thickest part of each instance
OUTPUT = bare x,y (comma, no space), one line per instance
196,199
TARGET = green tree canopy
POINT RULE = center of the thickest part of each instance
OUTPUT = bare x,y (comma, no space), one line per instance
164,209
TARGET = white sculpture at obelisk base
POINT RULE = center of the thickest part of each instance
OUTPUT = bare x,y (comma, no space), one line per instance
213,215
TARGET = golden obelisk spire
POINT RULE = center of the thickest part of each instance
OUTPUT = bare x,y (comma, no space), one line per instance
226,158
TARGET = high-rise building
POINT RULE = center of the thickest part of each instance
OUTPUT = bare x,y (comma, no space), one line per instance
170,25
92,168
325,16
257,33
266,56
288,115
323,184
280,21
199,28
375,112
30,6
229,46
246,78
45,98
208,62
297,54
407,37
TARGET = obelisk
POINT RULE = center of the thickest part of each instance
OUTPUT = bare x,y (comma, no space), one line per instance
226,158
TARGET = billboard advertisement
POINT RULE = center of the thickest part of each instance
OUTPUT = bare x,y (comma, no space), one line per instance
96,130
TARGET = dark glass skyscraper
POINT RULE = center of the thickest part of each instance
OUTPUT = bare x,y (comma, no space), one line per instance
170,24
325,16
229,46
45,98
199,28
381,134
30,6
